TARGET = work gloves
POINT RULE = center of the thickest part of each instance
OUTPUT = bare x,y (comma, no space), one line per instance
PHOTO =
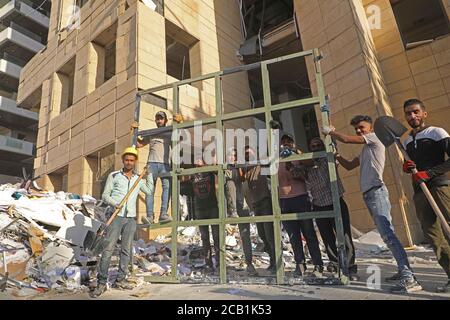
419,176
408,166
177,117
326,130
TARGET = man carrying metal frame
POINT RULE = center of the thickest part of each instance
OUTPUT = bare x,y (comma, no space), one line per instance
261,204
318,184
375,193
235,207
159,165
294,199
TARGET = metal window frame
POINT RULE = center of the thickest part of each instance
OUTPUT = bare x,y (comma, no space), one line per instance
218,119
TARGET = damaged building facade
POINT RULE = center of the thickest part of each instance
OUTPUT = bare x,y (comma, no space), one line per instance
23,32
374,57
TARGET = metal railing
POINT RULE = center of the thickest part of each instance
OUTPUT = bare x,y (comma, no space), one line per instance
276,218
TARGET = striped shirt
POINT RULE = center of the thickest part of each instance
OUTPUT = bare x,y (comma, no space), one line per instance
318,183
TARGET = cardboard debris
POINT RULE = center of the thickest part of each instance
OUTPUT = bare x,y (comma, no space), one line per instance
56,259
76,228
189,231
231,241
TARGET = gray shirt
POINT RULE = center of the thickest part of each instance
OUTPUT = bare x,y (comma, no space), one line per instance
371,162
159,148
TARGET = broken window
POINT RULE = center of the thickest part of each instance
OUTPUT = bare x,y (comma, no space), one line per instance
63,86
69,14
155,5
58,179
265,24
181,52
420,20
104,55
81,3
155,100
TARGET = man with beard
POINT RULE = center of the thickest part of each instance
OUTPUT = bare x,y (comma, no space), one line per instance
375,193
427,146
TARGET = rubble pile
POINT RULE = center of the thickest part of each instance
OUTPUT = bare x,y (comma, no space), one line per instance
41,239
44,245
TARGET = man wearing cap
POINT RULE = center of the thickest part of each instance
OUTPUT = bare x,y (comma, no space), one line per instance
124,225
159,166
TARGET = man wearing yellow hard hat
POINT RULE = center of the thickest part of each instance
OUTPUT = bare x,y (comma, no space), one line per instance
123,226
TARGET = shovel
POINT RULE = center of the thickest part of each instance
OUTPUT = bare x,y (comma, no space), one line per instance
94,242
389,131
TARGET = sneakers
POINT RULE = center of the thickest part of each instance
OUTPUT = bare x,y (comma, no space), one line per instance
98,291
164,217
317,271
407,285
353,276
251,271
443,289
332,268
123,285
233,215
147,220
396,277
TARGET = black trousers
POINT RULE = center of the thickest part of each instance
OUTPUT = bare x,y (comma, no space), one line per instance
235,203
212,213
327,229
265,229
295,228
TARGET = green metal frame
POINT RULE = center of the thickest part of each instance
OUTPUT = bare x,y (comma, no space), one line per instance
218,119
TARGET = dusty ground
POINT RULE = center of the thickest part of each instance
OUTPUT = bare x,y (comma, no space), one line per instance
427,271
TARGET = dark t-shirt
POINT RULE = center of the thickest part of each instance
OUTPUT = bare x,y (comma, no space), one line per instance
428,149
203,185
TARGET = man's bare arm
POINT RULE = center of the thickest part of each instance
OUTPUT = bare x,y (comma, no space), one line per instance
142,142
347,164
347,139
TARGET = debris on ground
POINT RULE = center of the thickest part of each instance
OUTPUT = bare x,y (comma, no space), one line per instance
43,236
370,242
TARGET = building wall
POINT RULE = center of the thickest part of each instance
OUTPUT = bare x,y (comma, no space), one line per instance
365,71
368,71
101,117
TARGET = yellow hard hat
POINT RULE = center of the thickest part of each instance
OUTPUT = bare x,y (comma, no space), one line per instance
130,150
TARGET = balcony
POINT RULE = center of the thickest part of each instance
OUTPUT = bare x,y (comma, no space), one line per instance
9,69
27,11
19,41
15,154
13,116
16,146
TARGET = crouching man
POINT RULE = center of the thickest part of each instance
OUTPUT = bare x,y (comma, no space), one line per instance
124,225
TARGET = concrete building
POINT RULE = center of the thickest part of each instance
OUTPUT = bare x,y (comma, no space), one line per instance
23,32
376,54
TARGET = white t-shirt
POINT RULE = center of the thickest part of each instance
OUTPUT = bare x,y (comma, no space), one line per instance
159,150
371,162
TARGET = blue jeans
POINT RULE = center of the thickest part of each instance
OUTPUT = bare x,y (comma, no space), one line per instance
157,169
123,228
377,201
